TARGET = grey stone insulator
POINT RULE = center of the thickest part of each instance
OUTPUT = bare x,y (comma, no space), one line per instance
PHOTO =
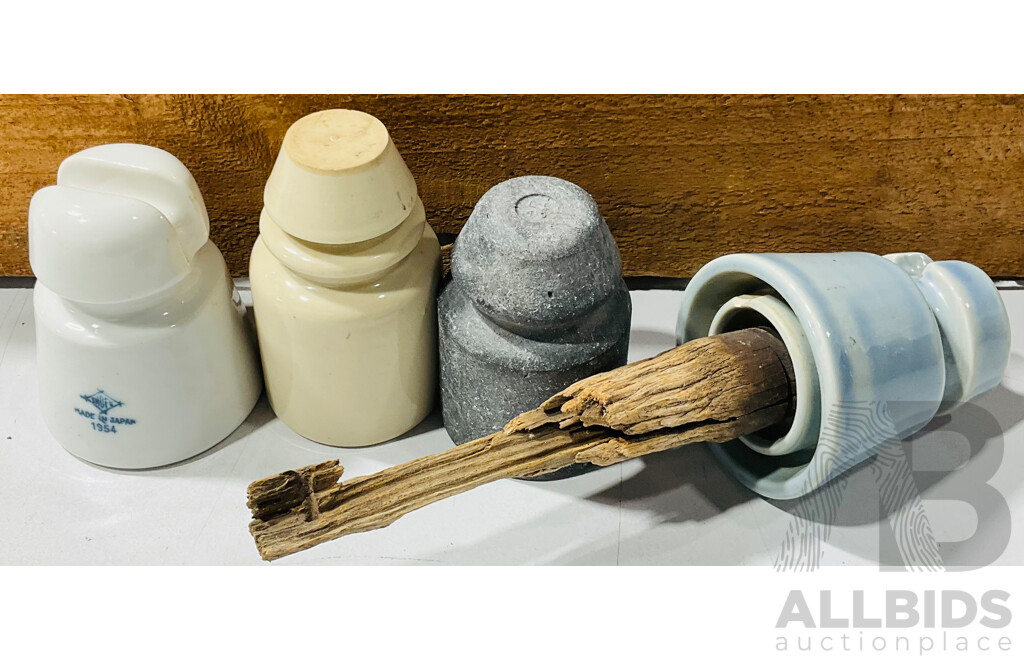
536,302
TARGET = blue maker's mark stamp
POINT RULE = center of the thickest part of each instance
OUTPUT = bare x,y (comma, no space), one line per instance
103,401
100,420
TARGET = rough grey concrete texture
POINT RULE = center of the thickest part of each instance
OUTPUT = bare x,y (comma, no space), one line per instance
535,255
536,302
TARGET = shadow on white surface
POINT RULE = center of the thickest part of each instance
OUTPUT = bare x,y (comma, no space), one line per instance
953,459
679,507
260,414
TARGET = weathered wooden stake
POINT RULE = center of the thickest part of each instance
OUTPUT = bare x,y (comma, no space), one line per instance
709,390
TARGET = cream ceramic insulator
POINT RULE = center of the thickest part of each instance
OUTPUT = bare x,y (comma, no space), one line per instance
344,276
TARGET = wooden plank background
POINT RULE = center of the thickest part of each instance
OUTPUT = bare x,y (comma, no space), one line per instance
680,179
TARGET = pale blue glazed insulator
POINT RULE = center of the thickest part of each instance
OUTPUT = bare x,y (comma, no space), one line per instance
880,345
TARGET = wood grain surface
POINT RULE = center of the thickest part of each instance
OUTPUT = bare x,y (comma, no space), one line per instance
712,389
680,179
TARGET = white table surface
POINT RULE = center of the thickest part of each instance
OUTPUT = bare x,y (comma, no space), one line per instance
678,507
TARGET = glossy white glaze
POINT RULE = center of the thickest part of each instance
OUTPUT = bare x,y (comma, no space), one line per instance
143,352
